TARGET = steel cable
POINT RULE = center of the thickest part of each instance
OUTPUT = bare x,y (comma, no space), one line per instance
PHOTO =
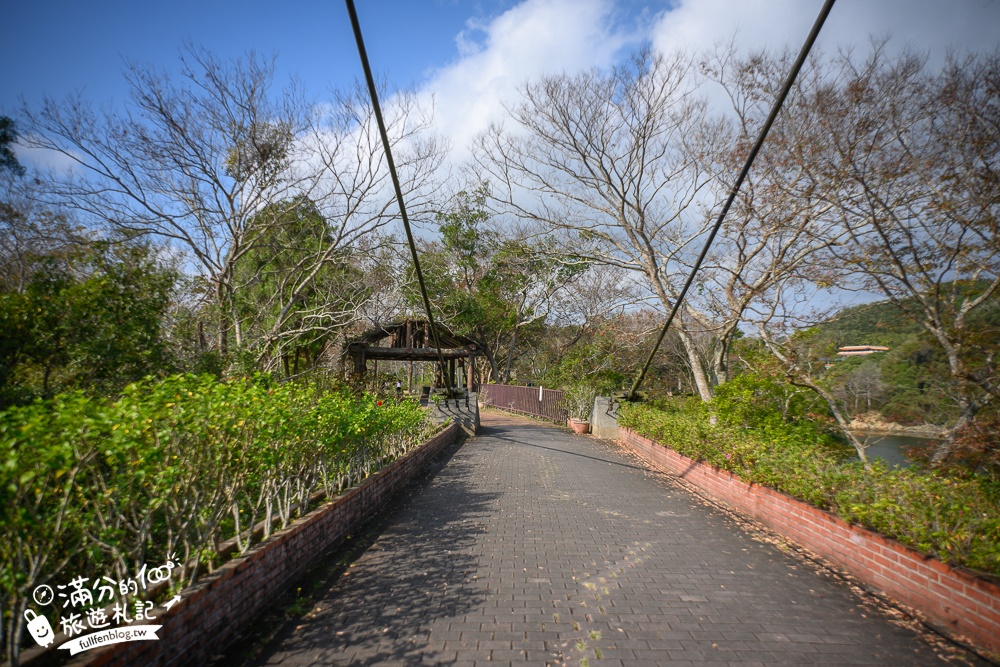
370,81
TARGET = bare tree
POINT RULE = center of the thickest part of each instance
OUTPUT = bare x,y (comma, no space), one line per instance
909,161
775,236
189,162
28,231
628,167
599,160
864,385
323,282
214,162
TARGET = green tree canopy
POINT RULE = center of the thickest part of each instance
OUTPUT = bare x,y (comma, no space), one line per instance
295,287
490,285
91,320
8,136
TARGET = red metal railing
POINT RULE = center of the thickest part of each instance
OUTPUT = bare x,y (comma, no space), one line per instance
535,401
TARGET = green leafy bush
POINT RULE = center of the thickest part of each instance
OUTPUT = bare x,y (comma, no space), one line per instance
91,319
176,466
952,514
578,401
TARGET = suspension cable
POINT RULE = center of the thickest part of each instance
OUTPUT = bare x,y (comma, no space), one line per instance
370,80
778,102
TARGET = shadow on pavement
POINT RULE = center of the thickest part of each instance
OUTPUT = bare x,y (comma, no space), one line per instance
416,567
499,432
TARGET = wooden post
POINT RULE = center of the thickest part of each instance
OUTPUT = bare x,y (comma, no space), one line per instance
469,366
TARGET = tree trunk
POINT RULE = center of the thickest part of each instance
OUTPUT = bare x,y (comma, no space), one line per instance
697,370
223,335
494,369
694,359
857,443
720,361
967,411
510,352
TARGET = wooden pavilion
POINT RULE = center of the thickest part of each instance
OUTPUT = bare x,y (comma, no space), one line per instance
411,340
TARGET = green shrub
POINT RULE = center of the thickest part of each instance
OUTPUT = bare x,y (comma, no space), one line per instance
951,514
91,488
578,401
948,516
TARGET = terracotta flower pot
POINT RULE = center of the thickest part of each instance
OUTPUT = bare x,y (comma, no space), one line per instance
580,426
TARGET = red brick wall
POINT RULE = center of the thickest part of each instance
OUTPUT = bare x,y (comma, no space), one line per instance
959,599
210,613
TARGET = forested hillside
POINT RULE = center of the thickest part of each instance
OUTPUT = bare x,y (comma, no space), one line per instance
909,383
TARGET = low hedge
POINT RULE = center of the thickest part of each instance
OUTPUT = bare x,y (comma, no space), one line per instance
951,514
175,467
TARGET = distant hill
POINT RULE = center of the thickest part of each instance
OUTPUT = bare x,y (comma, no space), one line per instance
883,323
879,323
910,383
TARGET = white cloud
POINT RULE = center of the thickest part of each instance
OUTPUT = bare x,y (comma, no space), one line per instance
533,38
929,25
494,58
45,160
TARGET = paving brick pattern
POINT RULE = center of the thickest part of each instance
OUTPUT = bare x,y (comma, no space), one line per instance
535,546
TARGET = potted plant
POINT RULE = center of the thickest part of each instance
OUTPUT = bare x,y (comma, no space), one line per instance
579,401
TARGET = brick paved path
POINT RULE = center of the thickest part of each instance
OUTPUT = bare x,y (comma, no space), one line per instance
536,546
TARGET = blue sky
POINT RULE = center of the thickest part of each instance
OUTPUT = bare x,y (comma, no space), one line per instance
466,57
57,47
469,56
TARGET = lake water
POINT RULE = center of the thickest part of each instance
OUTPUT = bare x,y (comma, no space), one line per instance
889,448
